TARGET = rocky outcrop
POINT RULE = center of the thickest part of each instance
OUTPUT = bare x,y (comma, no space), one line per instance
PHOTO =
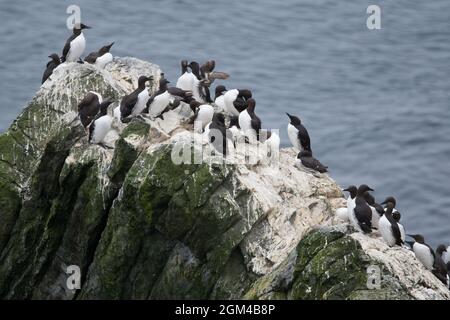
139,225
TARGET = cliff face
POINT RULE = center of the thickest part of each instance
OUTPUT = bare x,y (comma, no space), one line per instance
140,226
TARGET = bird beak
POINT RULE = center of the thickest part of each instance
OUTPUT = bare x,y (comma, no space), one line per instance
168,81
109,46
345,189
411,235
370,189
86,27
288,115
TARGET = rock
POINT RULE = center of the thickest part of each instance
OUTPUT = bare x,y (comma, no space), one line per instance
140,224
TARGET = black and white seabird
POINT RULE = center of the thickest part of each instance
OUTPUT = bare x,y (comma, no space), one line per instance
236,100
219,97
389,228
160,101
192,81
424,253
440,268
352,190
447,255
361,217
203,113
100,127
377,209
249,122
298,135
101,57
51,65
135,102
75,45
397,216
218,133
89,107
306,158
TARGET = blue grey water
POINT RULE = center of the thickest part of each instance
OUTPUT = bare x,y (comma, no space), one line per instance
376,102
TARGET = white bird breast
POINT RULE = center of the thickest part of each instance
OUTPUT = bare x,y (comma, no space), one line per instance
159,103
101,129
77,47
424,255
292,133
229,97
205,114
385,229
141,102
103,60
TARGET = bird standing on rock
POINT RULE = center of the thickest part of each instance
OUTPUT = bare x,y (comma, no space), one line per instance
298,135
389,228
440,268
203,113
89,107
306,158
101,125
249,122
101,57
235,100
352,190
51,65
362,214
423,252
75,45
377,209
396,215
218,133
135,102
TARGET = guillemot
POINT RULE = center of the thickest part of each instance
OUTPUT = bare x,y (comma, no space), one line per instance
298,135
377,209
160,101
389,228
51,65
100,127
440,267
235,100
203,113
397,216
89,107
75,45
101,57
135,102
424,253
306,158
249,122
219,97
218,133
352,190
362,213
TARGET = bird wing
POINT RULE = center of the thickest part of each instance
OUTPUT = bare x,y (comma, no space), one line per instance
91,130
364,215
67,47
218,75
127,104
313,163
48,71
303,136
397,234
91,57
